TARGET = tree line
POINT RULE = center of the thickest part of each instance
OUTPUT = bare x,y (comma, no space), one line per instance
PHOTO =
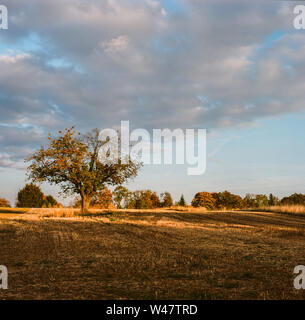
31,196
140,199
227,200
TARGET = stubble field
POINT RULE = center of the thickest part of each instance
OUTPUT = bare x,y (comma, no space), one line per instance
152,255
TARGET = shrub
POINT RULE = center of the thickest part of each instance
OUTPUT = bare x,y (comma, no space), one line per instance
227,200
249,201
273,200
50,202
142,199
167,200
182,202
294,199
155,200
261,201
4,203
102,199
120,194
204,199
30,197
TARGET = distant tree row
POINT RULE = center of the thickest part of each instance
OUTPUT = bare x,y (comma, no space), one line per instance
140,199
294,199
31,196
122,198
227,200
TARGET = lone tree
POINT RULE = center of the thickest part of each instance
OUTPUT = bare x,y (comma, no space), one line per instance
72,161
30,197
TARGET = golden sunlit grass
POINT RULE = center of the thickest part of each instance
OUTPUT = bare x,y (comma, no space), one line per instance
71,212
296,209
54,212
146,254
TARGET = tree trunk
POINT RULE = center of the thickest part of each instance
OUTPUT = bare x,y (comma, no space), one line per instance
85,203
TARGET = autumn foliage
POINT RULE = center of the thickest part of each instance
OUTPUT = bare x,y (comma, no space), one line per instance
143,199
102,199
50,202
294,199
217,200
140,199
4,203
227,200
204,199
30,197
72,161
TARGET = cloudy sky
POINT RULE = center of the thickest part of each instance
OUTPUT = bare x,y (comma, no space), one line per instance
234,67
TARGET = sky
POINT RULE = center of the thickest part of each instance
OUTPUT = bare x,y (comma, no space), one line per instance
233,67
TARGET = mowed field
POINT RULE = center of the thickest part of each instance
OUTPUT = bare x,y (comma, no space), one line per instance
152,255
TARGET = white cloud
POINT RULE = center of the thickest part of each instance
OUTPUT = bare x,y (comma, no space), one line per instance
116,45
10,59
143,65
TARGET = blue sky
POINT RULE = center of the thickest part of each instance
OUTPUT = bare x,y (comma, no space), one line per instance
235,68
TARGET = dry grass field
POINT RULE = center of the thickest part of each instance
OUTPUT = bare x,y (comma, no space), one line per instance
294,210
151,254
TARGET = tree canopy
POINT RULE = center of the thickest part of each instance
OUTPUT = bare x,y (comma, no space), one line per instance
120,195
204,199
294,199
4,203
182,202
30,197
71,160
167,200
50,202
